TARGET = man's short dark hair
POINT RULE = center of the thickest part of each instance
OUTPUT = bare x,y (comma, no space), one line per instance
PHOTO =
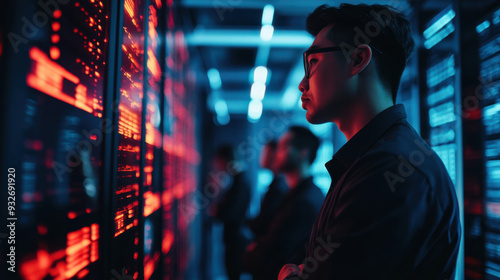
393,38
303,137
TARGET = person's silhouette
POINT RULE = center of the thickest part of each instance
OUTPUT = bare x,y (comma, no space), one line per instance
291,226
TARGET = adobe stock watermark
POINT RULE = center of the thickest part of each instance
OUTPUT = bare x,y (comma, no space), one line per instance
469,105
371,30
223,6
407,167
30,28
247,151
321,253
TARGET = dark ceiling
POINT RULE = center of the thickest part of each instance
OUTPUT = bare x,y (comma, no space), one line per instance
226,35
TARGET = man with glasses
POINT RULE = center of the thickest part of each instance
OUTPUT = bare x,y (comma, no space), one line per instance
391,211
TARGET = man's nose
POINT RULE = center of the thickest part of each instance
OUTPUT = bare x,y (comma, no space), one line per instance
304,84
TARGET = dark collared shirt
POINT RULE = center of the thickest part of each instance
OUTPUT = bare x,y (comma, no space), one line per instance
391,211
274,195
288,232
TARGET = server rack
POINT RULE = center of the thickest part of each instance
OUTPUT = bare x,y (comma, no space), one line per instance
99,109
489,72
440,94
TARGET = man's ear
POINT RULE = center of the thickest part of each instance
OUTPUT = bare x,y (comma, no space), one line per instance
361,57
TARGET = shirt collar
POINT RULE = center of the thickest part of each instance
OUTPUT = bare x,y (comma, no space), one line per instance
362,140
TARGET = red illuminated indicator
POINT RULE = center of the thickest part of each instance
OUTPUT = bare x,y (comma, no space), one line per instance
129,7
47,76
43,265
152,202
168,240
56,26
36,145
170,20
153,65
128,124
82,273
78,246
42,230
150,264
54,38
94,236
152,34
81,249
153,136
57,13
54,53
122,215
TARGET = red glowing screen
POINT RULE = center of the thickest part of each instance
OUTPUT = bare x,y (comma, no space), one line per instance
60,155
131,94
152,168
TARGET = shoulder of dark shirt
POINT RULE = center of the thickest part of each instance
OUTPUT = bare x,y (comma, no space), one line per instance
311,195
403,144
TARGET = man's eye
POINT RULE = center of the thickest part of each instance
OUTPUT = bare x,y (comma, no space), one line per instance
312,61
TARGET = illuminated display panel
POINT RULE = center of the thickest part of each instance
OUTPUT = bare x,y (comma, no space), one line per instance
152,170
167,199
126,218
60,152
180,146
489,55
442,115
180,157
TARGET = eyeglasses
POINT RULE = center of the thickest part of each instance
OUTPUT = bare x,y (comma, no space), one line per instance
307,67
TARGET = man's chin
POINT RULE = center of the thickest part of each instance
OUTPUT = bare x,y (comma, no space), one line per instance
314,118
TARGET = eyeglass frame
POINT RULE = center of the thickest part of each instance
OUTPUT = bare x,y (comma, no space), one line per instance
321,50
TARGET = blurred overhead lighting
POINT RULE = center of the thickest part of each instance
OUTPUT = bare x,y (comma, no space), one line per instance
267,14
254,110
260,74
221,111
248,38
266,32
257,91
214,79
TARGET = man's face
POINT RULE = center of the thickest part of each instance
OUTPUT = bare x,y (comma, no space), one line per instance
326,92
287,156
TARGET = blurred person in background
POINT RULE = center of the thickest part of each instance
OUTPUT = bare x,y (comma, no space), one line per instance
274,195
231,207
291,226
391,211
